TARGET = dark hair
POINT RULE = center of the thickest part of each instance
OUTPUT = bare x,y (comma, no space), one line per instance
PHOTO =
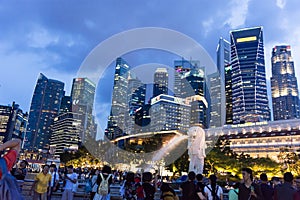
274,178
288,177
147,176
53,165
106,169
45,166
70,167
236,185
213,183
249,171
25,161
130,177
199,177
264,177
166,188
192,175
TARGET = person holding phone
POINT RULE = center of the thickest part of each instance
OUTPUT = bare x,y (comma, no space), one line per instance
248,190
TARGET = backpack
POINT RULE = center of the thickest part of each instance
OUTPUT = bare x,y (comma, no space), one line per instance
104,186
215,197
9,188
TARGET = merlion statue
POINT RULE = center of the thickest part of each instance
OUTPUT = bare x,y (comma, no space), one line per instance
196,149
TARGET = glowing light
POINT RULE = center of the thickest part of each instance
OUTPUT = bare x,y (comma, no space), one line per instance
246,39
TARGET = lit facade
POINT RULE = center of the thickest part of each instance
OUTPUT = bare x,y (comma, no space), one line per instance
214,85
116,121
13,122
249,88
223,62
66,129
136,93
169,113
161,78
285,95
44,108
260,139
82,95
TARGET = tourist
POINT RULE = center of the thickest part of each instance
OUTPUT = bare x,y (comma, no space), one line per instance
54,185
94,175
21,171
296,195
233,194
167,193
266,190
129,187
149,189
41,184
10,156
189,188
248,189
275,182
285,191
105,175
70,178
200,186
213,191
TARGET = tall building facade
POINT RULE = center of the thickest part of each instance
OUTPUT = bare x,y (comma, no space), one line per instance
190,83
45,105
285,95
161,78
136,94
116,121
82,95
13,122
223,62
249,88
214,85
169,113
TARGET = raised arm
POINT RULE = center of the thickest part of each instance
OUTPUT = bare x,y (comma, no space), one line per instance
11,144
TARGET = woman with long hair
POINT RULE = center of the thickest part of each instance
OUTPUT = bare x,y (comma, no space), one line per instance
213,191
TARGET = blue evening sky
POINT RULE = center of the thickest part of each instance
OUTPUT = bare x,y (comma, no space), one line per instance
54,37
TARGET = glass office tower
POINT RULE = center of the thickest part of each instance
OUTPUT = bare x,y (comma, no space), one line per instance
249,88
45,105
285,93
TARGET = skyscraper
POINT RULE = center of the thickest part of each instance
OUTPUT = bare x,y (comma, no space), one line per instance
160,82
249,88
82,95
223,61
169,113
66,128
285,93
136,93
181,67
189,83
115,125
44,108
214,85
13,122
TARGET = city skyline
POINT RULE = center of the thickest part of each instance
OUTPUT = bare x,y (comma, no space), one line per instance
56,44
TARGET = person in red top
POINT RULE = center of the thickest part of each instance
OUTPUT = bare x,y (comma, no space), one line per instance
10,157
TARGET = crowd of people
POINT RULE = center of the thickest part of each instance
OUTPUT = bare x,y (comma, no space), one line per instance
143,186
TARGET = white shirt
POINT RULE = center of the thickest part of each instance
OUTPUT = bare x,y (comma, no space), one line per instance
219,191
69,184
52,177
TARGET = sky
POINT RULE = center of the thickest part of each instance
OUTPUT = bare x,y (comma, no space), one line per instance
55,37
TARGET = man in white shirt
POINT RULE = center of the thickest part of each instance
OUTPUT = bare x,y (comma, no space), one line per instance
70,179
54,180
